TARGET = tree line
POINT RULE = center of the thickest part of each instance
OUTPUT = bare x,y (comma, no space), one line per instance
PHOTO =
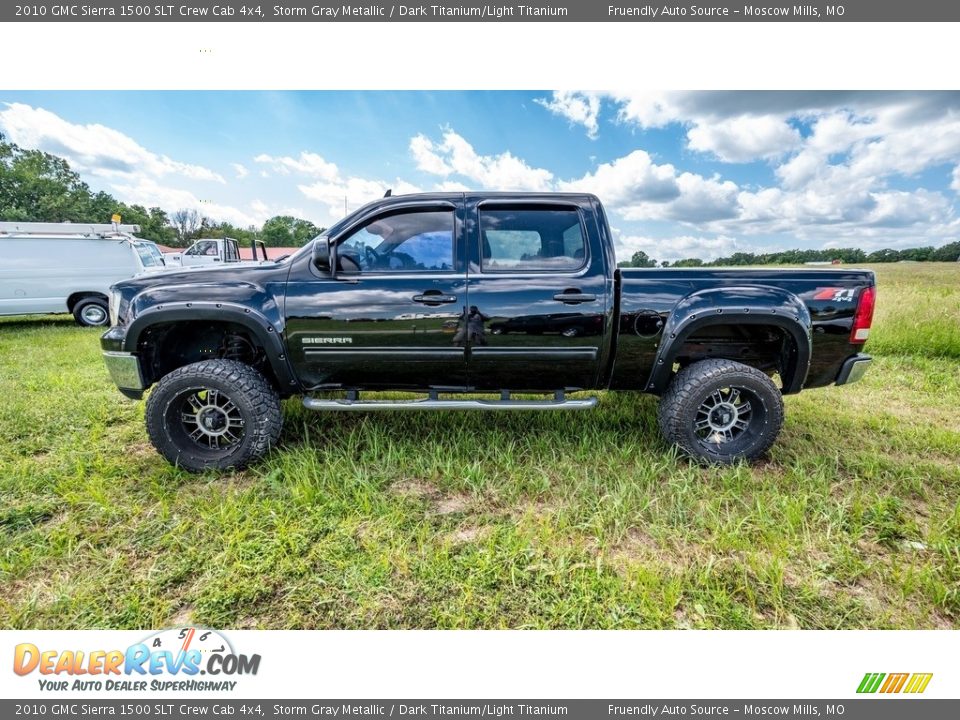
36,186
946,253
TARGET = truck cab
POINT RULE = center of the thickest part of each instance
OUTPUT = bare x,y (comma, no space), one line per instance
211,251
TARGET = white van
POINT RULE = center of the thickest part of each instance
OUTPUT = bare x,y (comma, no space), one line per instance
69,267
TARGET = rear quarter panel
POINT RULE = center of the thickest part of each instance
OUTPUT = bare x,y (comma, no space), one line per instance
650,294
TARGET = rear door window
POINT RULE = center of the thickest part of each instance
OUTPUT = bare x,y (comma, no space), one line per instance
531,240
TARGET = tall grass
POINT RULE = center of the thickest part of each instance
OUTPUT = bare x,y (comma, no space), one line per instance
545,520
918,310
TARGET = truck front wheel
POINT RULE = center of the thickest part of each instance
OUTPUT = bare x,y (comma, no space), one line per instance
213,414
721,411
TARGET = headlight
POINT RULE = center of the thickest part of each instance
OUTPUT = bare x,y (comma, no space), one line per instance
115,298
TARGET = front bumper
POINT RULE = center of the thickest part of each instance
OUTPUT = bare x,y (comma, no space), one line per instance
124,369
853,369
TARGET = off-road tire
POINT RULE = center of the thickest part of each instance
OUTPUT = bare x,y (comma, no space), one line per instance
695,386
85,312
255,402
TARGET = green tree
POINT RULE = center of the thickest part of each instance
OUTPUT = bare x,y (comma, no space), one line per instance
39,187
154,223
288,231
883,256
947,253
641,260
212,229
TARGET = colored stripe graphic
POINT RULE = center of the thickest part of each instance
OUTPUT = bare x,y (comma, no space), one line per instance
894,683
918,683
870,682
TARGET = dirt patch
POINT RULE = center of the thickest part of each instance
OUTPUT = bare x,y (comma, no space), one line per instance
184,616
247,623
440,503
467,534
140,450
640,548
56,520
537,509
415,488
452,504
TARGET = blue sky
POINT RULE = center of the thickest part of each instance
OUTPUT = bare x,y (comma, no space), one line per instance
682,173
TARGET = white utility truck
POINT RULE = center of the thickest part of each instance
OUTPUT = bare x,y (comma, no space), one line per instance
209,251
69,267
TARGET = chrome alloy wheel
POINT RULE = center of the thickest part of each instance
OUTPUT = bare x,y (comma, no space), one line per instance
724,416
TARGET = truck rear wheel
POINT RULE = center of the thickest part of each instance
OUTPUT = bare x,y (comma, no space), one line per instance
91,312
213,414
721,411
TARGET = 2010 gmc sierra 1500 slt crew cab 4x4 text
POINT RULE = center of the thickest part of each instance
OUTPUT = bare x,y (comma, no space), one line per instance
457,294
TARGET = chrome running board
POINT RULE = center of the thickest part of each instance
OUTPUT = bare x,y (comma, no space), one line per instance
353,403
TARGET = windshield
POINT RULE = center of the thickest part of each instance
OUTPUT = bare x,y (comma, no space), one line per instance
150,255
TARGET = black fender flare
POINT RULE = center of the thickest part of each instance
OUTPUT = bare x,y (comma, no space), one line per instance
266,332
749,305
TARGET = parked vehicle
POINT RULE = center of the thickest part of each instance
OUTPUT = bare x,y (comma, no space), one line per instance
213,250
69,267
403,295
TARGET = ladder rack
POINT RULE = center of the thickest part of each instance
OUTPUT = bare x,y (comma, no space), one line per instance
68,229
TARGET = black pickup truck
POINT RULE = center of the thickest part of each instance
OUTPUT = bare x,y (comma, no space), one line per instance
469,299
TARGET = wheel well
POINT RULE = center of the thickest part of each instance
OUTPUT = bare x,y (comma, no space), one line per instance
164,347
76,297
768,348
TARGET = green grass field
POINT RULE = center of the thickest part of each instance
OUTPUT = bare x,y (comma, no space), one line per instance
460,520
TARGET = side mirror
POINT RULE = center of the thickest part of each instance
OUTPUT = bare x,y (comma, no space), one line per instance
324,255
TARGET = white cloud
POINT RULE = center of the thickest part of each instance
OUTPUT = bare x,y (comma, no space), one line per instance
428,160
455,156
307,163
342,195
580,108
338,193
640,189
702,200
736,137
93,149
240,170
840,179
650,109
451,186
133,173
628,181
673,248
857,214
743,139
148,192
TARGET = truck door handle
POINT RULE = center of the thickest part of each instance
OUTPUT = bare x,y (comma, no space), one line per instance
574,298
434,297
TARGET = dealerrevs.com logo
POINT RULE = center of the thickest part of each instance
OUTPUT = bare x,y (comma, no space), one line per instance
168,660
